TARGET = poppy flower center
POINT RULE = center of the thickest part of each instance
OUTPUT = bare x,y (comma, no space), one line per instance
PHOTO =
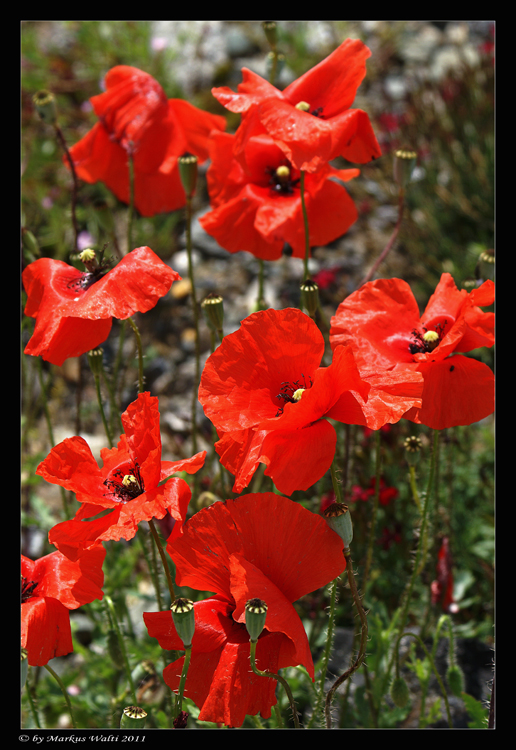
305,107
292,392
27,589
125,487
426,342
281,180
95,270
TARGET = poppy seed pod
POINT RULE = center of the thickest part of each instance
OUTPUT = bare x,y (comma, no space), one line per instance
133,717
188,173
339,519
45,105
403,167
310,296
255,615
213,309
184,619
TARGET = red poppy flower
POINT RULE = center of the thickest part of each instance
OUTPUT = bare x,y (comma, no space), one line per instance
129,484
136,118
269,399
259,545
51,586
385,496
256,200
442,588
381,322
311,120
74,310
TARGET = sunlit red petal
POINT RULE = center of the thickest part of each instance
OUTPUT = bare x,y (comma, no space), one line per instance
458,390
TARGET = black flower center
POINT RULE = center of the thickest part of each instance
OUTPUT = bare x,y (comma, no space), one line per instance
281,180
124,487
426,342
27,589
292,392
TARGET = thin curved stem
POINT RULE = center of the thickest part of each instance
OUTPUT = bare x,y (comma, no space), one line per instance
65,694
277,677
392,240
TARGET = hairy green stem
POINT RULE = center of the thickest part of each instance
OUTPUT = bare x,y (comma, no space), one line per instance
114,621
140,354
277,677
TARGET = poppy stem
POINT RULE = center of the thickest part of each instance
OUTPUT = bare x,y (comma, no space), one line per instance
196,321
260,303
61,139
363,638
306,275
114,621
392,240
432,664
140,354
130,165
421,547
277,677
184,672
65,694
159,546
376,502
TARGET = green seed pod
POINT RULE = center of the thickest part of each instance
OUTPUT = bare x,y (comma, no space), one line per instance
188,173
455,680
184,619
310,296
404,163
413,447
133,717
45,105
95,360
213,309
339,519
270,30
399,692
255,615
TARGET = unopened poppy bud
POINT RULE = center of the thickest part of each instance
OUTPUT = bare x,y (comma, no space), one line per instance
181,720
188,173
404,163
24,666
183,615
399,692
133,717
255,615
303,106
213,309
45,105
339,519
310,296
30,246
455,680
